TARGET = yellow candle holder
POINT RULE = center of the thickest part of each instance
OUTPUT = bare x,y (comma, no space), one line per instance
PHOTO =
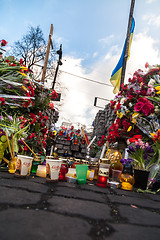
12,165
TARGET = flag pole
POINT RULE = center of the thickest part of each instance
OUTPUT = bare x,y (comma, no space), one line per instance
127,43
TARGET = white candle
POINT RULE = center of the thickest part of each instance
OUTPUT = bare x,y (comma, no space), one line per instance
91,142
126,153
103,150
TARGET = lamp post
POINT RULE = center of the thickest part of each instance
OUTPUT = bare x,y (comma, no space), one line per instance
59,62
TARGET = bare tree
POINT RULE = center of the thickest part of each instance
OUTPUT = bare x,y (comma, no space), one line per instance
32,47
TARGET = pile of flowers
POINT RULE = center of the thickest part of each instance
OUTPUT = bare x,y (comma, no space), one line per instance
72,134
37,135
136,105
27,97
17,84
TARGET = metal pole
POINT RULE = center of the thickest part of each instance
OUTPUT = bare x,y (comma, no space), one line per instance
127,43
55,76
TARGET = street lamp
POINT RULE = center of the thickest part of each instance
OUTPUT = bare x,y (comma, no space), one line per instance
59,62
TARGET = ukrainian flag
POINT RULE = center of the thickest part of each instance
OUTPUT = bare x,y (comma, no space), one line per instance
116,74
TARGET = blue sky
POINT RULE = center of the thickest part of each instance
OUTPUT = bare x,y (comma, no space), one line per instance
92,33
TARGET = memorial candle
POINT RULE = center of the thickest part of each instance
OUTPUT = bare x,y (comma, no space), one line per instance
41,171
102,181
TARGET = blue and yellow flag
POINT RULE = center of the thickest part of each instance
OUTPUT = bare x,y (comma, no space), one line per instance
116,74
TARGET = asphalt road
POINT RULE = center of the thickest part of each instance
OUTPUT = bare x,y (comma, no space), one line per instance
34,209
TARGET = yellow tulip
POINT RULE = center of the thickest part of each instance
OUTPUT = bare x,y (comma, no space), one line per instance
153,135
24,68
134,117
24,88
129,129
23,74
54,132
119,115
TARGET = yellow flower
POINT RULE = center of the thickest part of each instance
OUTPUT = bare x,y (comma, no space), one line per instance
24,68
129,129
24,88
134,117
119,114
157,89
23,74
54,132
153,135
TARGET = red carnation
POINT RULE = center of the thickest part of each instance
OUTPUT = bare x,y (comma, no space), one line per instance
25,148
45,118
33,121
99,143
53,95
3,42
2,101
118,106
32,115
21,61
135,138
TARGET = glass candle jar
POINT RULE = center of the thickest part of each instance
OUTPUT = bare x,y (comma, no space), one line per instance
63,169
36,161
12,165
94,165
102,181
90,174
104,166
127,180
103,172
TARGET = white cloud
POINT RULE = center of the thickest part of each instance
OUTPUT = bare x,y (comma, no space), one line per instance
95,54
57,39
152,19
79,101
143,49
112,52
150,1
108,56
107,39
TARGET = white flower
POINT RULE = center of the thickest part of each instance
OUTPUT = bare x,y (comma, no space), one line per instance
151,82
156,77
128,142
125,109
122,100
130,104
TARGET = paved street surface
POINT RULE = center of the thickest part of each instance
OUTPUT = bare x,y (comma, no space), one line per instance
34,209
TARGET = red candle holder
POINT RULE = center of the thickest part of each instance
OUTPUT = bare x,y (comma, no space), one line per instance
63,171
102,181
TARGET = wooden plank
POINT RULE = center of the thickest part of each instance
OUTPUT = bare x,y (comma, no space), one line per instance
47,54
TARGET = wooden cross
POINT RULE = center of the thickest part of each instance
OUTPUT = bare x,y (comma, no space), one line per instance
47,53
